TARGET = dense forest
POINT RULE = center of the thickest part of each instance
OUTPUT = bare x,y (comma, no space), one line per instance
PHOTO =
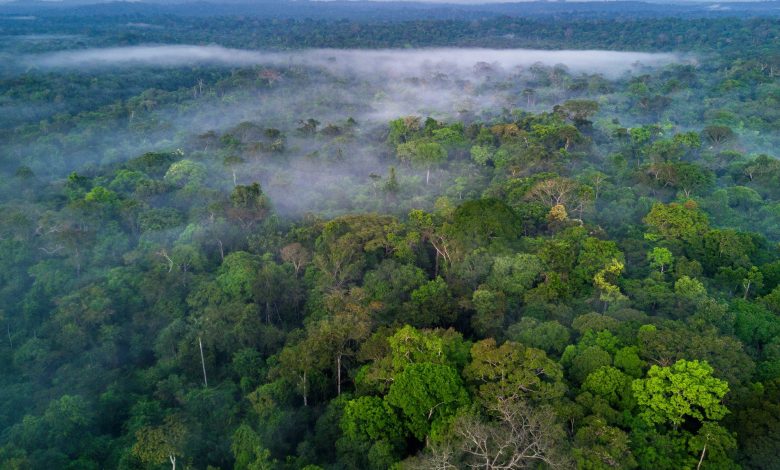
383,255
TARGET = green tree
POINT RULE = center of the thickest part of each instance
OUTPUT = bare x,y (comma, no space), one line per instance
604,280
677,221
683,390
513,372
249,205
611,384
238,274
248,450
370,418
714,446
434,305
158,444
550,336
599,446
489,310
423,154
186,174
428,395
717,136
660,258
515,274
338,335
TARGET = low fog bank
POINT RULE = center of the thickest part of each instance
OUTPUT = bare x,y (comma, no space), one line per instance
282,90
389,63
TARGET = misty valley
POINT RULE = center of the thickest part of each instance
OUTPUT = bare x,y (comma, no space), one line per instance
345,235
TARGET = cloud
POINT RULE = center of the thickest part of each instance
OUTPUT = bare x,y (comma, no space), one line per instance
389,63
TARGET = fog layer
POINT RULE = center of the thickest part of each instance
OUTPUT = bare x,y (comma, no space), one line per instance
285,90
388,62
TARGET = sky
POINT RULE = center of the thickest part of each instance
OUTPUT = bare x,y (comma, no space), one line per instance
456,2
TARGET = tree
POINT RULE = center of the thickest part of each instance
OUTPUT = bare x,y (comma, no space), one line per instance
530,95
295,254
276,291
515,274
594,256
609,383
233,162
391,185
754,279
428,395
237,275
489,311
157,444
601,446
186,174
666,344
249,205
370,418
339,334
556,191
248,450
434,305
481,154
408,345
517,437
550,336
423,154
660,258
713,444
482,222
578,110
584,359
690,178
299,363
513,372
441,241
308,127
757,423
683,390
677,221
342,249
717,136
604,282
690,290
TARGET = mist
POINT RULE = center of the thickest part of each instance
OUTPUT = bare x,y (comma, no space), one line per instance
330,86
388,62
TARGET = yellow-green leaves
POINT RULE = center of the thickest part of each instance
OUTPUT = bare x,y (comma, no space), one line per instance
604,282
686,389
513,371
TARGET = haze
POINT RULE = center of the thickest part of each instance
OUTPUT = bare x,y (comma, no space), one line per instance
387,63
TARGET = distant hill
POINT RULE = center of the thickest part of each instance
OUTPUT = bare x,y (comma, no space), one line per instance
391,11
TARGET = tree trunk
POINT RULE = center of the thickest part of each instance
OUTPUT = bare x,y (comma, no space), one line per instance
203,364
172,458
427,176
338,375
701,459
305,399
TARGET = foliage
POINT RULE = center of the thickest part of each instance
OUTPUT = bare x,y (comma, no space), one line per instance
684,389
245,266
